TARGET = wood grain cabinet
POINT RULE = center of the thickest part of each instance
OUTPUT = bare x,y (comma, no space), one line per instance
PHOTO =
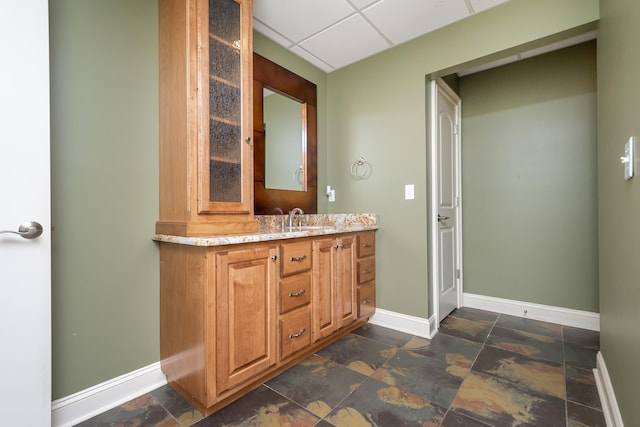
235,316
206,124
333,285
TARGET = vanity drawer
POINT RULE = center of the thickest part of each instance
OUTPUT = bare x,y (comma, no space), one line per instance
295,332
295,292
367,300
295,257
366,244
366,270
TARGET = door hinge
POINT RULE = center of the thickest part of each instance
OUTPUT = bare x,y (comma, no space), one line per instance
456,129
457,273
456,202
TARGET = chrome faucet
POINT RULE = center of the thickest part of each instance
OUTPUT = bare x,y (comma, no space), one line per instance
292,215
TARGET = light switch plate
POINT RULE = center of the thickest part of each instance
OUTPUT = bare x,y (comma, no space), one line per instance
409,192
628,159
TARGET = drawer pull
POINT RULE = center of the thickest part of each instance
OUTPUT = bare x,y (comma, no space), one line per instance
297,334
367,271
367,301
298,259
366,245
297,294
339,246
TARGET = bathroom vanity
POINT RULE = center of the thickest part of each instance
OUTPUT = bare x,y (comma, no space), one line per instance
236,311
242,298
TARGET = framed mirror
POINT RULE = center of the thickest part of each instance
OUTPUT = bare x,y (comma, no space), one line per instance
285,140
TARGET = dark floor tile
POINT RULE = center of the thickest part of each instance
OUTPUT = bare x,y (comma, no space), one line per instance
434,380
499,403
360,354
317,384
584,337
261,407
377,404
179,408
531,375
582,416
383,335
530,325
581,387
474,330
474,314
446,348
142,411
454,419
323,423
578,356
527,344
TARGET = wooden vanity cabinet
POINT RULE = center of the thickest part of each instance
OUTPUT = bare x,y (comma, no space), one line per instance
235,316
206,124
333,285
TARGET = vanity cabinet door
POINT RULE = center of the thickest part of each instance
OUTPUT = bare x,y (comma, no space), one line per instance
246,314
333,287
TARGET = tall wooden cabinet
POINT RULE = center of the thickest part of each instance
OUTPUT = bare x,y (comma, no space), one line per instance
206,77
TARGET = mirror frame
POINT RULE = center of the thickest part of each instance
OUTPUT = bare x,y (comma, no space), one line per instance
268,201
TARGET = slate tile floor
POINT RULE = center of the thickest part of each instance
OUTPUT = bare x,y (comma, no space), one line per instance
481,369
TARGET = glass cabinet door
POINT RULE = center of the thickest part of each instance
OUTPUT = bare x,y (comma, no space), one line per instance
223,170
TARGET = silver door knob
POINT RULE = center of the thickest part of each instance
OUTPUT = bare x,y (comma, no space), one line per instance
28,230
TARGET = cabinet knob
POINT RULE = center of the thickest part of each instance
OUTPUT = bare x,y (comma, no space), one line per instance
274,257
366,301
247,139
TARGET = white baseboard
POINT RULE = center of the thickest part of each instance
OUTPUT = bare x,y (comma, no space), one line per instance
80,406
404,323
610,408
547,313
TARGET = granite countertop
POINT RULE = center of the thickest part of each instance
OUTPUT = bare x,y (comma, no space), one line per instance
271,228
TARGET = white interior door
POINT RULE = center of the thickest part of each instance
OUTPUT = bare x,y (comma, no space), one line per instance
447,207
25,264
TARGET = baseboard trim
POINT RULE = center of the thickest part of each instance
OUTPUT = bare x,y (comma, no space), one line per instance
610,409
548,313
404,323
80,406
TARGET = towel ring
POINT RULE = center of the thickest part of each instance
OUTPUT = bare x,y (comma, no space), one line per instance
360,169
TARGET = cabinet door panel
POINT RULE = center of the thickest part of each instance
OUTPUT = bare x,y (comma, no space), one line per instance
345,280
324,296
246,315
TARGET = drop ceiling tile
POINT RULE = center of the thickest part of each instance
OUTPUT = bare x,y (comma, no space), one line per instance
312,59
361,4
480,5
402,20
268,32
349,41
299,19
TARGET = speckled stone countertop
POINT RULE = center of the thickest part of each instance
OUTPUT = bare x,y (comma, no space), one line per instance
276,227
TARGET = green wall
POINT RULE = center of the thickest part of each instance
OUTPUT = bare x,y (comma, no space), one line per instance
619,200
104,155
377,110
529,187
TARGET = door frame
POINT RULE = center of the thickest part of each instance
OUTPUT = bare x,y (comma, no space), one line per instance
432,208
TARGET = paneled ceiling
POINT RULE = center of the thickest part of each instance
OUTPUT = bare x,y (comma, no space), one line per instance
334,33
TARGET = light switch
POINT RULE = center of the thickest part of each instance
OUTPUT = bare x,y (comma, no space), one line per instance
628,159
409,192
332,195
